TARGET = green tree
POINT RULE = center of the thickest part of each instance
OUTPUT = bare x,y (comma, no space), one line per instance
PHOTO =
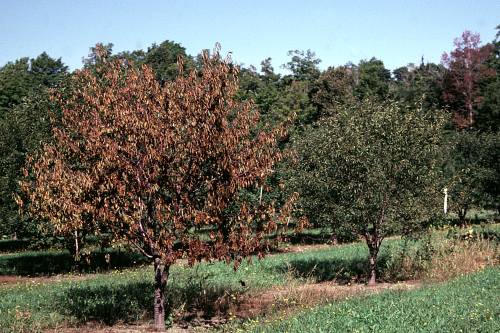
412,82
333,86
304,65
24,129
135,57
46,71
163,59
488,111
467,168
491,181
267,92
372,79
25,76
371,169
98,56
157,164
14,83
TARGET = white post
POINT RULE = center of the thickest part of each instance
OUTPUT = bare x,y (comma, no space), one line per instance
445,200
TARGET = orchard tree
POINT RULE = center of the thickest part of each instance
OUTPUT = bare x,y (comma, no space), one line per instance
155,165
465,70
467,166
371,170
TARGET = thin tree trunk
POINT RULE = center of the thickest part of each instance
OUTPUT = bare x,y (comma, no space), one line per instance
160,282
461,215
335,239
372,269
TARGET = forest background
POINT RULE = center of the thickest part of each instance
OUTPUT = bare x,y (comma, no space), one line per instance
466,83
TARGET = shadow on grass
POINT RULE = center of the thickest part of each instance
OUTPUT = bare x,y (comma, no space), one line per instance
52,262
14,245
130,302
107,304
340,270
321,270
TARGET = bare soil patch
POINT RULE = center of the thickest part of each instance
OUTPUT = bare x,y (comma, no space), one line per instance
308,295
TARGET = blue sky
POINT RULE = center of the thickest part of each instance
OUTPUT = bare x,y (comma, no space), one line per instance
397,32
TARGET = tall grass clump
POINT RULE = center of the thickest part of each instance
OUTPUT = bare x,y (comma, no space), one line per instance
442,255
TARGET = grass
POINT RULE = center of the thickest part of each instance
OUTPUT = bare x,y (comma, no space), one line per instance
60,262
278,288
465,304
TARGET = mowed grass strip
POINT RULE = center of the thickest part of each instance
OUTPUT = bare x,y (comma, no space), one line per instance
465,304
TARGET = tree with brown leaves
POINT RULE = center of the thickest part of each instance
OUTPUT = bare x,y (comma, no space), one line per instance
465,70
155,165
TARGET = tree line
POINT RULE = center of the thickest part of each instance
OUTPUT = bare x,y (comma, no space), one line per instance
147,148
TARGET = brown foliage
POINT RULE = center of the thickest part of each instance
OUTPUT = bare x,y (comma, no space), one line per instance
465,70
153,165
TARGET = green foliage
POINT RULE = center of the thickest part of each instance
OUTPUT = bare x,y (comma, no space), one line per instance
24,129
46,71
371,169
333,86
470,165
372,79
414,83
163,60
23,76
304,65
98,56
14,84
488,111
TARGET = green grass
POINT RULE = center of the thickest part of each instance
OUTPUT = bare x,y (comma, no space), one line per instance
466,304
60,262
125,294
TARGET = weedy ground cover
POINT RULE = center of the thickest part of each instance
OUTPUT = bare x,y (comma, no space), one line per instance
464,304
279,287
124,295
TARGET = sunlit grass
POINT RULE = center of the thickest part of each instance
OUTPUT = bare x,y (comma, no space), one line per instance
467,303
125,294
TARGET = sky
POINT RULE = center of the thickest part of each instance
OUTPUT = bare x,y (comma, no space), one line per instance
398,32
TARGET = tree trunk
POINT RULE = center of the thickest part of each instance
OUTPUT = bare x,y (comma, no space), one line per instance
335,239
372,267
461,216
161,277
